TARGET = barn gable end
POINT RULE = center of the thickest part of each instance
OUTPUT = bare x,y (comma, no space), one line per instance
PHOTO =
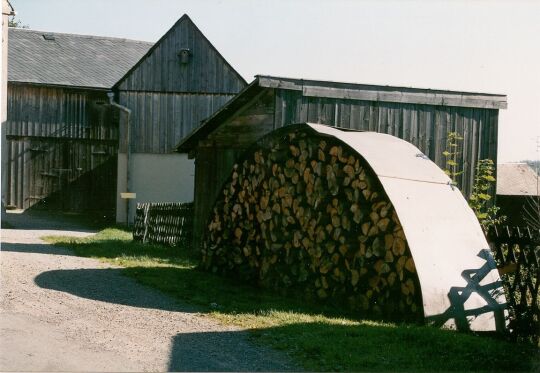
183,60
176,85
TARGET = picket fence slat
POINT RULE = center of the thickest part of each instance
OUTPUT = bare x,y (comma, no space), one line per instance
517,252
164,223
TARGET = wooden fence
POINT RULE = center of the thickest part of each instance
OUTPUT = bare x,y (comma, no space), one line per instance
517,252
164,223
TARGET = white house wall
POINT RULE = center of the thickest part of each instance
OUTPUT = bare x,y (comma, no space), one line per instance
155,178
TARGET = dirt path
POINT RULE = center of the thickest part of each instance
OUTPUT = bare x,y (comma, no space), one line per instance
59,312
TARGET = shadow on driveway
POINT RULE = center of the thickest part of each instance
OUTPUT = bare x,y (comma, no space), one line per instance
53,220
199,351
108,285
35,249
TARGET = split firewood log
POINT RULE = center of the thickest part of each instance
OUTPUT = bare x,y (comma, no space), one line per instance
306,213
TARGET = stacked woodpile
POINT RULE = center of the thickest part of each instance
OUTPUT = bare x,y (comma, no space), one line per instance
306,212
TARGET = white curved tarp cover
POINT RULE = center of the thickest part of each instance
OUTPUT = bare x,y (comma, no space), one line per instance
460,284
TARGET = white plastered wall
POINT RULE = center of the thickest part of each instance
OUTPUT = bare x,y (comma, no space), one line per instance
154,178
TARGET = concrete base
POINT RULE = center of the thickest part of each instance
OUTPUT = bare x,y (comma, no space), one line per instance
154,178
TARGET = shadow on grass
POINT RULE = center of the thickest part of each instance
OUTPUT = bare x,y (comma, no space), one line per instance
321,345
224,295
107,285
123,247
104,249
331,347
290,324
370,347
178,276
223,352
209,293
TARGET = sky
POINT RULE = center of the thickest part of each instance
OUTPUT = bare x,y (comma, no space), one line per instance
478,46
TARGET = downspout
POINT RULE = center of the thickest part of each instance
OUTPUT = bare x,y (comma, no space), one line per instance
128,150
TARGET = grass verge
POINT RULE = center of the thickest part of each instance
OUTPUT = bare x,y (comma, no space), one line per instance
319,338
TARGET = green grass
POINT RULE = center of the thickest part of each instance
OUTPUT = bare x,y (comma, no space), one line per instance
319,338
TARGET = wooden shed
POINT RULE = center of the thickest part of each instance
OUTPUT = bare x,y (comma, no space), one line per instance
421,116
177,84
354,218
62,135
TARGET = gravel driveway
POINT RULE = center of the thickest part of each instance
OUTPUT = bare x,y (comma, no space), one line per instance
60,312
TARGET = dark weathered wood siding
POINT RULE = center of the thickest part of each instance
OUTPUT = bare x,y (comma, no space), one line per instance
168,98
45,111
161,71
62,146
425,126
160,120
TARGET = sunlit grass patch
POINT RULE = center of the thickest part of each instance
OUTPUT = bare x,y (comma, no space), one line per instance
321,338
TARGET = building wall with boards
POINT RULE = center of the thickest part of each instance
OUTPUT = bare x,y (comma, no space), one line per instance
181,81
68,144
62,133
61,149
421,116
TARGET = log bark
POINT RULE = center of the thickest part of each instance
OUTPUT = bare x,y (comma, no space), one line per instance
307,214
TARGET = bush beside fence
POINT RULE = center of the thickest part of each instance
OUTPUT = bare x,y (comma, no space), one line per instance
517,252
164,223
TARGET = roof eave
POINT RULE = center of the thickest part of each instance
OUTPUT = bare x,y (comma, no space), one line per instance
353,91
189,142
57,85
185,17
368,92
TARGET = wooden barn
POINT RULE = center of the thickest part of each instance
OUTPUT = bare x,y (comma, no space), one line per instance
68,142
177,84
421,116
62,135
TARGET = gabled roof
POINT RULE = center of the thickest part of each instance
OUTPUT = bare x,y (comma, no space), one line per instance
60,59
517,179
184,18
341,90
